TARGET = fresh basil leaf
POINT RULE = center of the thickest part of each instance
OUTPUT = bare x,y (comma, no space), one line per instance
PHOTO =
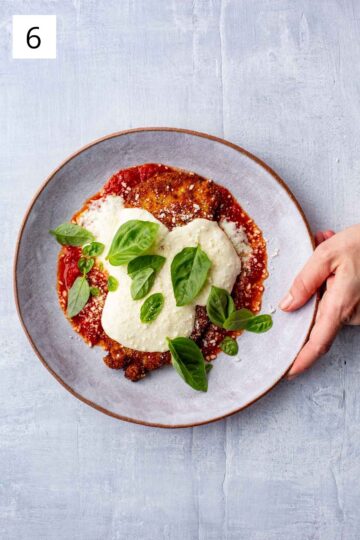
94,249
71,234
156,262
132,239
189,270
143,270
259,324
208,367
237,320
151,307
189,362
85,264
229,346
94,291
142,283
112,283
243,319
78,296
219,306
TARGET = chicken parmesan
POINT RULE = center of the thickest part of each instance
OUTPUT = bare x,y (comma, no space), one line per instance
162,266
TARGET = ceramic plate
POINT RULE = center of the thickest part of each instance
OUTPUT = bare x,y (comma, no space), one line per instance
162,398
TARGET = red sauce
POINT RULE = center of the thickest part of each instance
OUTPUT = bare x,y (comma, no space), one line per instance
175,197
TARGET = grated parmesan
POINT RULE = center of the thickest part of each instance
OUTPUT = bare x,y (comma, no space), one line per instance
238,238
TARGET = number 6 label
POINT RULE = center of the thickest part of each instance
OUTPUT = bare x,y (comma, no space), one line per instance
38,40
34,36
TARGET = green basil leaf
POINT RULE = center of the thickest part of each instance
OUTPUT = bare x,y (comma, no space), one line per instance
132,239
237,320
94,249
71,234
259,324
94,291
112,283
208,367
220,306
78,296
229,346
189,270
189,362
142,283
156,262
243,319
151,307
85,264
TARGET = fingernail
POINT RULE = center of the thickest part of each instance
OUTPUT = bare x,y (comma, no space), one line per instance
290,377
286,301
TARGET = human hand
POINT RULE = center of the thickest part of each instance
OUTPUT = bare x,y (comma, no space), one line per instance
336,261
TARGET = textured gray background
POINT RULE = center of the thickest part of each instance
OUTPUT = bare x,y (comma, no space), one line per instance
279,77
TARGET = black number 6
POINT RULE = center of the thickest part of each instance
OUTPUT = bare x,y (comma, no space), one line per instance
28,37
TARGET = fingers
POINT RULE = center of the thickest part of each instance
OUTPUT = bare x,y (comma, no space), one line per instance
311,277
321,236
330,282
328,234
335,308
336,261
355,317
321,338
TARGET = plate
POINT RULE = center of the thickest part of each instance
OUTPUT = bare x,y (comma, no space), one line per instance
162,399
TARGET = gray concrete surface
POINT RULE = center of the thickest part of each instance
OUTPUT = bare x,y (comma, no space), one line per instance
280,78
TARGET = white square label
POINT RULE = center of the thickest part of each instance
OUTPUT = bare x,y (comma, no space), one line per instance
34,36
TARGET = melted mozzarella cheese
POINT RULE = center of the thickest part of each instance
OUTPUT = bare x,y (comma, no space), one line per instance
121,314
225,264
101,218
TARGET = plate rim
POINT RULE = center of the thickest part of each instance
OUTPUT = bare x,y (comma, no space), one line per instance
92,404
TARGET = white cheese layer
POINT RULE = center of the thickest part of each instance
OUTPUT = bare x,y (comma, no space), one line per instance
101,218
121,314
225,264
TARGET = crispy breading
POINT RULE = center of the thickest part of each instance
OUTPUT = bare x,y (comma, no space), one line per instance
176,197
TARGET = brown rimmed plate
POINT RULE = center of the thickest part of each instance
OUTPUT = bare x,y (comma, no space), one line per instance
162,399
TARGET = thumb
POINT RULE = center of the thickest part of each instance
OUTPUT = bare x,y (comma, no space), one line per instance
312,276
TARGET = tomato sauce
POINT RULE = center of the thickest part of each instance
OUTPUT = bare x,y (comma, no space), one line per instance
175,197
